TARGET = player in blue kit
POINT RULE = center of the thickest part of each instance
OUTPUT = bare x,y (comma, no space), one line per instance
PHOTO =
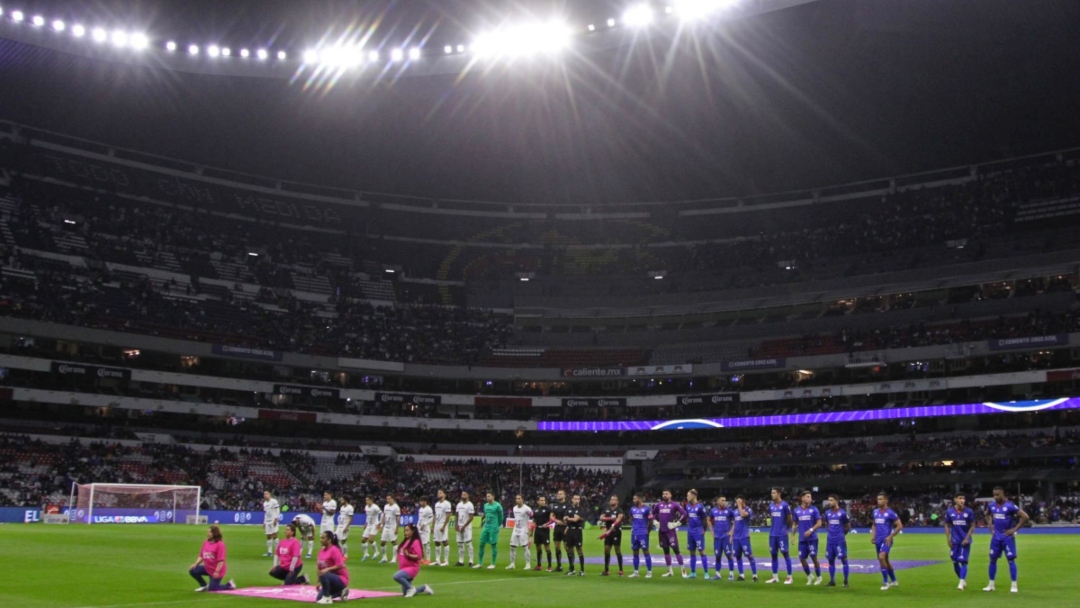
1004,519
807,521
696,520
886,526
959,528
740,537
721,520
640,526
837,525
780,513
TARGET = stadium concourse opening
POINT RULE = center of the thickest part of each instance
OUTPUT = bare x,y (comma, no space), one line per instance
539,302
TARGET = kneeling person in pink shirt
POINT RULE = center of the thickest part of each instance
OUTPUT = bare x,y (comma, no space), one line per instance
409,554
211,563
289,564
333,575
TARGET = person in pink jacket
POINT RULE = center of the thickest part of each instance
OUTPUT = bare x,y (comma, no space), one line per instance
289,564
409,554
333,575
211,563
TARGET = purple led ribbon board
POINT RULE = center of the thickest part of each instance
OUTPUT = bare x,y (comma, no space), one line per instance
929,411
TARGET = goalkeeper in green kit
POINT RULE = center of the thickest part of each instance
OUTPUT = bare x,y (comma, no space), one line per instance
493,518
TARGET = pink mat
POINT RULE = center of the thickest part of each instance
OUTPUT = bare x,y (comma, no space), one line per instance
300,593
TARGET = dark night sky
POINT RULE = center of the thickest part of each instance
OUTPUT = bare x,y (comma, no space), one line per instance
835,91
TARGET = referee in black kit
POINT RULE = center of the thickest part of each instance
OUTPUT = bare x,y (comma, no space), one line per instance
558,515
575,526
541,532
612,520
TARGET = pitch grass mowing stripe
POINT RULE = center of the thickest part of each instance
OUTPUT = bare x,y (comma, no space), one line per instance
130,566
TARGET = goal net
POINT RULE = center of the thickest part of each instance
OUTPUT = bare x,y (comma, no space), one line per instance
119,503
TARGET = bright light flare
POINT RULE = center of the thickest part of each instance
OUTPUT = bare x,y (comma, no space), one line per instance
311,57
78,31
397,55
213,50
120,39
262,54
638,16
522,40
414,53
99,35
38,21
699,9
193,49
245,53
59,26
282,55
139,41
17,16
170,46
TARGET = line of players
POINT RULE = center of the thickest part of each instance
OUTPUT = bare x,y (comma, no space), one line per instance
562,524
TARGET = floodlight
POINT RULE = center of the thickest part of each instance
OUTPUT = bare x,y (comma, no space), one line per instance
170,46
414,53
18,16
213,50
611,23
397,55
262,54
282,55
139,41
100,35
227,52
120,38
59,25
373,56
697,9
638,16
78,31
311,56
193,50
245,53
448,49
592,27
461,48
38,21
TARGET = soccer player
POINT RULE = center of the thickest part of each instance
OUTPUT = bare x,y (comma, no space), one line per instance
696,520
740,537
491,521
333,575
426,517
575,525
345,517
289,564
640,526
807,522
271,517
442,521
541,531
558,516
409,554
669,516
612,520
838,526
465,512
211,563
372,521
959,528
886,526
780,514
1004,518
329,510
306,525
721,520
523,515
391,516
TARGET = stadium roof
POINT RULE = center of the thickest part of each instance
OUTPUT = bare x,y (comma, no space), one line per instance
820,93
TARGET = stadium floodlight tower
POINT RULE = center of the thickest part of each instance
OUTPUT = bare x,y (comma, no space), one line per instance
130,503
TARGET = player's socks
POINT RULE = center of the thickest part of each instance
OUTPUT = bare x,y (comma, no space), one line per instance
847,571
806,569
817,570
270,547
482,547
648,562
558,558
705,566
787,562
753,566
618,557
693,563
956,569
667,559
607,562
832,572
885,577
494,554
570,560
310,546
637,562
678,556
892,574
1012,570
740,567
730,564
775,564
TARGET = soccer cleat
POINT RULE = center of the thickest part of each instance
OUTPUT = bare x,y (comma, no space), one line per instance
581,573
788,581
549,569
308,556
268,554
605,573
428,590
231,585
845,585
364,559
962,585
648,574
557,569
633,574
730,577
772,580
989,587
820,579
411,592
830,584
491,567
741,579
810,581
200,589
571,573
474,566
459,564
894,584
620,573
528,566
511,566
445,564
885,587
324,600
382,561
667,574
692,575
538,568
755,578
1014,589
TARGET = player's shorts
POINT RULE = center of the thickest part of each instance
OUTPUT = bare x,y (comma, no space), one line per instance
1005,545
882,547
808,547
305,531
542,536
489,536
464,536
669,539
573,537
370,532
639,541
722,545
343,533
614,539
559,535
330,527
778,544
440,534
742,547
425,537
389,535
519,539
836,550
695,542
960,553
271,527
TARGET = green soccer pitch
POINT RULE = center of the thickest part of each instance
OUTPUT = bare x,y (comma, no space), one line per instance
128,566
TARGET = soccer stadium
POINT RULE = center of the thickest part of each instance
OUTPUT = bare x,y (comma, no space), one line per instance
577,303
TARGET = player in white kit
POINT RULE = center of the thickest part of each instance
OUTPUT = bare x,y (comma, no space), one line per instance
440,533
463,524
271,517
425,518
371,527
391,516
345,517
307,531
523,515
329,509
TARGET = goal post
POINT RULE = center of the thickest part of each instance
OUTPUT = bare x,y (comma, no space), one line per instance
130,503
